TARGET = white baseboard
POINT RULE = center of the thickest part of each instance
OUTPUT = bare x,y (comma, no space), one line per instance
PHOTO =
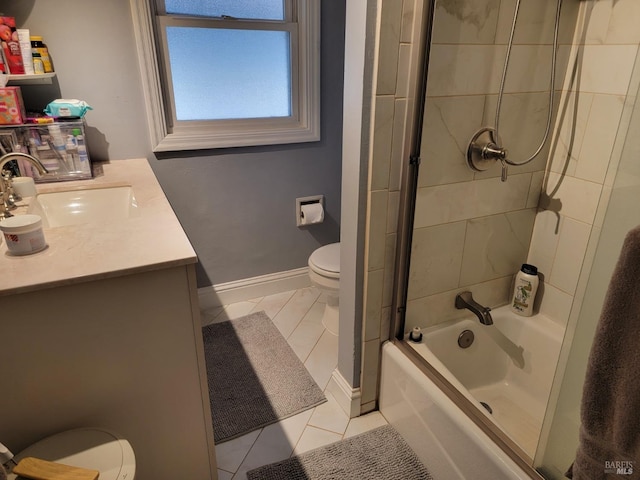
347,397
255,287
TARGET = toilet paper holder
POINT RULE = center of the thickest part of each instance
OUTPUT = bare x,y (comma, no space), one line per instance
306,201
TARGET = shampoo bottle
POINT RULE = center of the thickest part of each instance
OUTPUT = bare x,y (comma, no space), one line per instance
524,290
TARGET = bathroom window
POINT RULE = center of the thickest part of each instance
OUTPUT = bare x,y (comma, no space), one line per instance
230,73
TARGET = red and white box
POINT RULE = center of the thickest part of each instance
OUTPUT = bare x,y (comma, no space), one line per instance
11,45
11,106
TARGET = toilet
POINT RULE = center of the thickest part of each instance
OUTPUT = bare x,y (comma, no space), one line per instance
324,273
87,448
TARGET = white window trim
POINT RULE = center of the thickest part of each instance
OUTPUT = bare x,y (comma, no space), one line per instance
304,127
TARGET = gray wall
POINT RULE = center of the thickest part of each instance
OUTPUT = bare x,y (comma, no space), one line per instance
236,205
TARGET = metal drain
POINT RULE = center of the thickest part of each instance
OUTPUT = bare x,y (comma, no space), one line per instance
465,339
486,405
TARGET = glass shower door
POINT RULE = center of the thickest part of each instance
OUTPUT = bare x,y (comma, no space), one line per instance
618,213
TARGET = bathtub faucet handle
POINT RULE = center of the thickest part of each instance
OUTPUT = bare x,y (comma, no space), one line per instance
465,300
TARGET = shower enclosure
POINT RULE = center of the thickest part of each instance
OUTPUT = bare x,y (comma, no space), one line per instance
566,211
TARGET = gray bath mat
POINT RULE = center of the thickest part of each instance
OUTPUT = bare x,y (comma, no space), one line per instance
377,454
255,378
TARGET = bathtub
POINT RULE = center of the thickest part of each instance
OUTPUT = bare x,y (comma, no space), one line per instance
509,366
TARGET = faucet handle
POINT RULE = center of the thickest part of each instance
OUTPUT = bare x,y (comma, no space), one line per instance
8,196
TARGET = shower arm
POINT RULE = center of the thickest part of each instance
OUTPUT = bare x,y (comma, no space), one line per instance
485,148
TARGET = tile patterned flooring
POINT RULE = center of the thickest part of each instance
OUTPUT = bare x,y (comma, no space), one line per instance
297,314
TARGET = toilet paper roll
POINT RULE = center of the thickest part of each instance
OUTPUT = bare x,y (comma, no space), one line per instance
24,186
311,213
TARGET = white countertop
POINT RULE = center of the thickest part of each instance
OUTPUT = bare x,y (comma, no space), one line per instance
151,240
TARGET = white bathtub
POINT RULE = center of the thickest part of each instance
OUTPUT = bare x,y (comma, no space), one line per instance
450,444
509,366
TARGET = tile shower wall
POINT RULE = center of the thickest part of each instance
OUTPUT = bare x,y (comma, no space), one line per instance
390,106
590,113
471,230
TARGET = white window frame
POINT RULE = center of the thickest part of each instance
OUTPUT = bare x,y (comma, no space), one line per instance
302,126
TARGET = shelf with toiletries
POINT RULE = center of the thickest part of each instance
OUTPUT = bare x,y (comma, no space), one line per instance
24,57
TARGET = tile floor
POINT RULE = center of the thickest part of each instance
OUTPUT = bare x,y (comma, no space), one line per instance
297,315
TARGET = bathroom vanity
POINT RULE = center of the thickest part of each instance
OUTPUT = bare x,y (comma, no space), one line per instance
102,329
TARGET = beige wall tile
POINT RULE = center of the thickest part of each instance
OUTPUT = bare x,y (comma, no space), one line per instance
571,123
374,305
383,135
623,23
536,21
464,69
390,23
572,246
600,135
578,199
404,65
554,303
385,324
408,20
606,68
461,201
595,17
611,22
529,68
392,212
398,156
544,241
450,123
389,265
465,22
371,359
534,189
377,229
496,246
436,257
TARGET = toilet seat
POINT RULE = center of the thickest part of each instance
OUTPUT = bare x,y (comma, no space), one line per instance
325,260
88,448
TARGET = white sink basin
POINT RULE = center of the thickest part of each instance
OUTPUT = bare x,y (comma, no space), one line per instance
90,205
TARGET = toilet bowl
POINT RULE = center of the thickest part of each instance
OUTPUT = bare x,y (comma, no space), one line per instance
324,273
87,448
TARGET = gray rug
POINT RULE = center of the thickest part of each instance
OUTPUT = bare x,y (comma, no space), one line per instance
377,454
255,378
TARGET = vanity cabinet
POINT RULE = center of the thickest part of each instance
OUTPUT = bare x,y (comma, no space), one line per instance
109,337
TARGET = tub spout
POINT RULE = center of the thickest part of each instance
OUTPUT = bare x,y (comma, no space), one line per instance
465,300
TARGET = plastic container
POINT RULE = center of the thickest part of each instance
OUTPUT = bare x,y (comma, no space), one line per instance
23,234
83,157
524,290
38,46
38,64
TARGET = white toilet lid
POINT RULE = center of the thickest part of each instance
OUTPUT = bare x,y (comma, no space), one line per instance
88,448
327,258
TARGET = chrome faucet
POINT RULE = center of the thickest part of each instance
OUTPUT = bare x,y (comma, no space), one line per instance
6,190
465,300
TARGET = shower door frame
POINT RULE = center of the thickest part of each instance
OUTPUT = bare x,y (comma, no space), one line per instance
409,181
